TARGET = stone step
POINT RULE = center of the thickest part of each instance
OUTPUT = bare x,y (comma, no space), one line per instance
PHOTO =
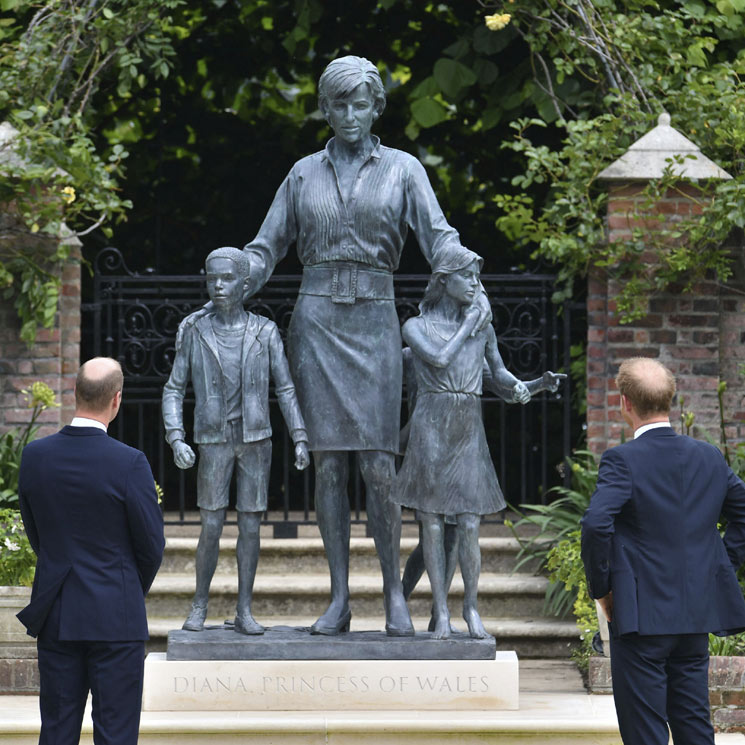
304,594
544,638
306,555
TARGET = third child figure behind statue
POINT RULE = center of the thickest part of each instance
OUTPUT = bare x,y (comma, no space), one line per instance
447,469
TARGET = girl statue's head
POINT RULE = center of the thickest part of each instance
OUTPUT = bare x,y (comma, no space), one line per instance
444,264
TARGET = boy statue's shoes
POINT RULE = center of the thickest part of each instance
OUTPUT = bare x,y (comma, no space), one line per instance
195,619
341,626
245,624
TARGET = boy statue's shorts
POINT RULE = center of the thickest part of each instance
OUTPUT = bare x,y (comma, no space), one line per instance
251,462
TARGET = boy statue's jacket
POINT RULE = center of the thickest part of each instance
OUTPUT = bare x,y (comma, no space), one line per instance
198,359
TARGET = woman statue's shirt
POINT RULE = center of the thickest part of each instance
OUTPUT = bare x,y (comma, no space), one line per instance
391,193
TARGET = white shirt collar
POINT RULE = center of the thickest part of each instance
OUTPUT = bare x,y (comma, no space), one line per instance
646,427
81,421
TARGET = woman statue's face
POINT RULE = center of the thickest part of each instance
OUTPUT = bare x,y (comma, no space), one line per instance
351,117
463,285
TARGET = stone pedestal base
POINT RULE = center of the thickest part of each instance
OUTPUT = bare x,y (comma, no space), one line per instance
332,685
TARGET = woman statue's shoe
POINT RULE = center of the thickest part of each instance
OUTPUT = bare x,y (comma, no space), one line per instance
195,619
341,625
397,618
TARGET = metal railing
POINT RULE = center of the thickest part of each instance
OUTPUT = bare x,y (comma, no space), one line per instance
134,318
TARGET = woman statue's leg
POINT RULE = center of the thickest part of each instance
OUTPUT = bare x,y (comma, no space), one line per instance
469,556
433,529
332,513
378,471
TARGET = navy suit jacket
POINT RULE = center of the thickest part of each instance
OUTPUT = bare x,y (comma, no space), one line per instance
650,535
91,515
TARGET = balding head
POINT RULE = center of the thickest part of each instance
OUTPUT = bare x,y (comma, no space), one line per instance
647,384
98,381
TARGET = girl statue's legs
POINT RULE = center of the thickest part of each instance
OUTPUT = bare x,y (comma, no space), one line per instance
247,555
414,568
378,471
208,549
469,555
433,543
332,513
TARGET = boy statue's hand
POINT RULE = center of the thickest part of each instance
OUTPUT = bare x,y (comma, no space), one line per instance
302,459
183,455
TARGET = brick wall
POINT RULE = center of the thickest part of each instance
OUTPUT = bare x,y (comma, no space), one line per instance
698,335
54,357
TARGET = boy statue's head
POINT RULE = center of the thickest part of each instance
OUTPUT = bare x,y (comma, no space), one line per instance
228,270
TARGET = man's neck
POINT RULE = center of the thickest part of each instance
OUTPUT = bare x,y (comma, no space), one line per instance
84,417
651,424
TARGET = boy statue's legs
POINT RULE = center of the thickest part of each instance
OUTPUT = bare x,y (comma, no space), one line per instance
208,550
247,555
214,472
253,462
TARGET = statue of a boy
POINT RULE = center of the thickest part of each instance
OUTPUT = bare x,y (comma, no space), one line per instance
229,355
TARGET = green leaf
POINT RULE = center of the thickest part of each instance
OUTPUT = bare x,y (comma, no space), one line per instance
108,13
452,76
9,4
490,42
428,87
459,49
427,112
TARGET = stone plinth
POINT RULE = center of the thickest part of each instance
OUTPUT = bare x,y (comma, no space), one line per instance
333,685
293,643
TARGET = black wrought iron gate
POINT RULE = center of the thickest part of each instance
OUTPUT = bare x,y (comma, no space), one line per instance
134,318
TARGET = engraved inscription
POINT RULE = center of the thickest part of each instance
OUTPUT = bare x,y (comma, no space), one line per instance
339,684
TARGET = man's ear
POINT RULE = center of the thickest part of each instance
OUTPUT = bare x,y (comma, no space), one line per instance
625,403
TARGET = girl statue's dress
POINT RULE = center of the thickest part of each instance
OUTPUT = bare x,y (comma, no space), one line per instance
447,469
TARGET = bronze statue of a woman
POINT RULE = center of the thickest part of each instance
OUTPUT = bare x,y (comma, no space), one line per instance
348,209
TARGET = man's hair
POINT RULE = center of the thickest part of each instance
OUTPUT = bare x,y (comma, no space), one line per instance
94,393
343,75
648,385
238,257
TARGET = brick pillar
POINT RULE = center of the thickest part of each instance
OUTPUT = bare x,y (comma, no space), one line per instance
697,335
54,357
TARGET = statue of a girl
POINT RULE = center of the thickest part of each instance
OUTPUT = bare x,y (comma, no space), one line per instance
447,469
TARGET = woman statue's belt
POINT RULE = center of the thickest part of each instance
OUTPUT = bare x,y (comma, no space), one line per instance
345,282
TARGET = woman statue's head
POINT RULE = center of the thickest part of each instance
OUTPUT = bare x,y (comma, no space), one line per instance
343,76
444,265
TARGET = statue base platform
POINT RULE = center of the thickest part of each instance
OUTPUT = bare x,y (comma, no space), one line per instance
362,671
296,643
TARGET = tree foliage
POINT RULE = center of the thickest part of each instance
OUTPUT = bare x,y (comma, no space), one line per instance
213,102
56,58
629,62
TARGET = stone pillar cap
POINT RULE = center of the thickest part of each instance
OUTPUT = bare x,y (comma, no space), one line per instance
651,154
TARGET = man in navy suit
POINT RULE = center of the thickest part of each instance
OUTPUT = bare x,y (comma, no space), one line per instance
657,565
91,514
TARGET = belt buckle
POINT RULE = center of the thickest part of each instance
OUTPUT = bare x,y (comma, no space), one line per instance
344,285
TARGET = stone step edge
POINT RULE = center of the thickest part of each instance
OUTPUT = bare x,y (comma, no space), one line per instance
315,545
502,628
529,720
312,584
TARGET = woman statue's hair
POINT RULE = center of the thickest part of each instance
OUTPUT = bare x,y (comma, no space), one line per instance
443,264
343,75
